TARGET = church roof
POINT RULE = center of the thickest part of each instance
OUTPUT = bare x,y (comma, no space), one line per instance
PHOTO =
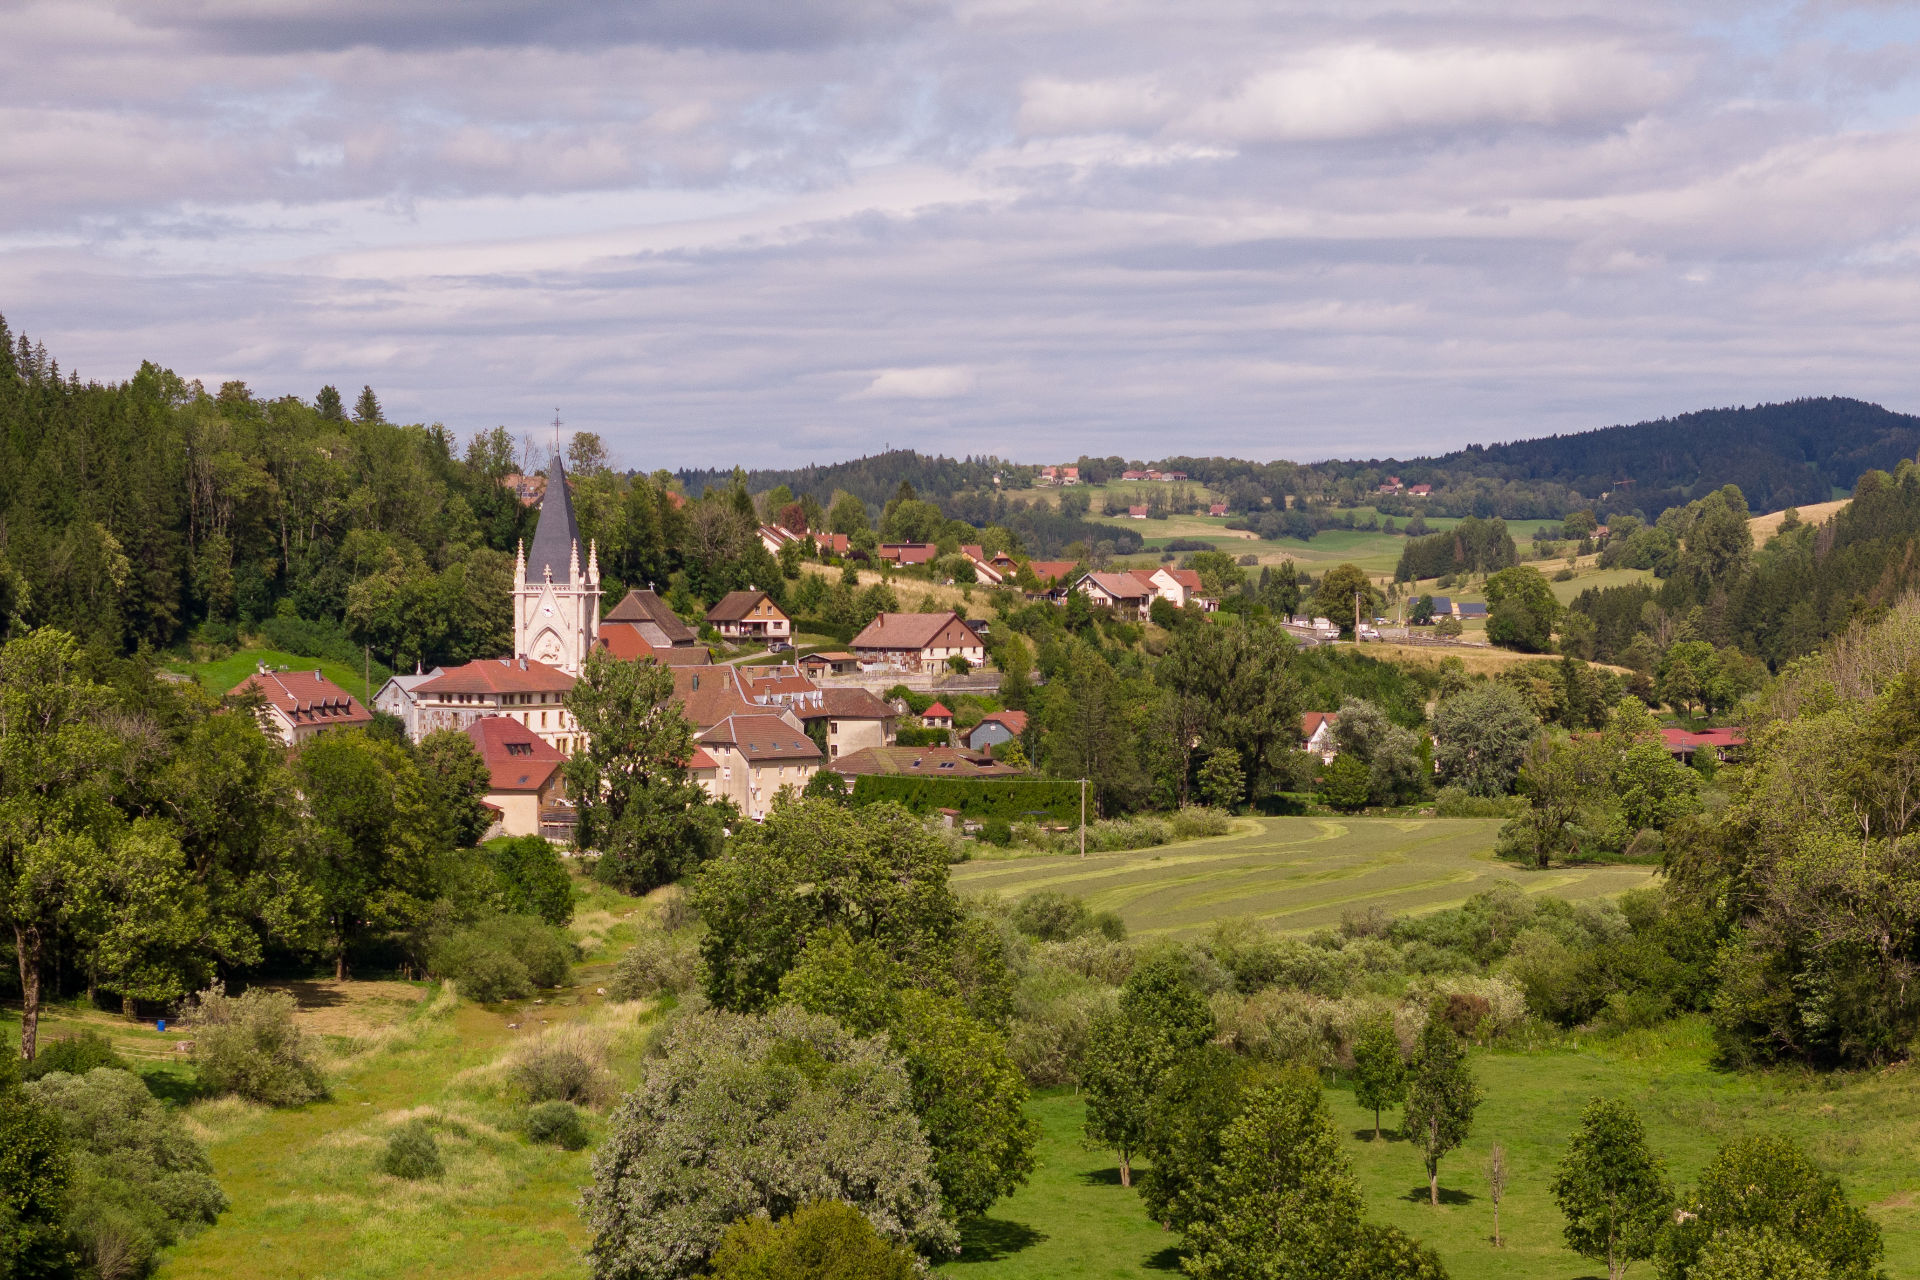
557,536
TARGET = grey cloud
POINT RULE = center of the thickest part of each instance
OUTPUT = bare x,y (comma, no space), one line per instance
291,26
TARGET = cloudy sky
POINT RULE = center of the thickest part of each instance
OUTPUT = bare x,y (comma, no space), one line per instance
777,231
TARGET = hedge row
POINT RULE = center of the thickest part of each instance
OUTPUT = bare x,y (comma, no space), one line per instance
841,631
1005,799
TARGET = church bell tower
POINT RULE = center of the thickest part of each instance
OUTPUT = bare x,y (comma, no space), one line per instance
556,603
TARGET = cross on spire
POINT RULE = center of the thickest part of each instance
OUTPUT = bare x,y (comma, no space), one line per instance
556,428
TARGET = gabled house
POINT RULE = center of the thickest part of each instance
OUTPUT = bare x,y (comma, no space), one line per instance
1316,734
396,699
651,619
524,690
1136,513
750,615
1125,594
995,728
1420,491
756,756
1216,508
301,705
837,663
775,536
1723,743
831,544
1052,571
907,554
916,642
1469,609
523,774
984,570
1178,587
937,717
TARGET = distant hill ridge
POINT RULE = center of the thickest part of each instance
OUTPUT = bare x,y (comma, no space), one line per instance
1780,455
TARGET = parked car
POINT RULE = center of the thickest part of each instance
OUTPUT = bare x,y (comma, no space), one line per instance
779,646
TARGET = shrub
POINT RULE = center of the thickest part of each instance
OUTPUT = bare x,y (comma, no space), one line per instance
1458,802
657,963
996,832
530,878
825,1240
412,1153
560,1069
75,1054
558,1124
249,1046
503,957
140,1181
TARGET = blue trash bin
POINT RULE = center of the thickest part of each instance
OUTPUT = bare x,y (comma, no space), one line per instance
160,1025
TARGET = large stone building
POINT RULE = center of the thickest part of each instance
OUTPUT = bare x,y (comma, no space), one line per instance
299,705
556,599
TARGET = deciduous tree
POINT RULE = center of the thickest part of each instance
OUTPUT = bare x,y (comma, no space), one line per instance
1612,1189
1442,1096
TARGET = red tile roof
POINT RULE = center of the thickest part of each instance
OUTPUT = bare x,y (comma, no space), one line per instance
307,697
938,711
1047,570
908,553
1121,586
844,704
623,640
1312,720
498,675
517,758
1014,720
1688,739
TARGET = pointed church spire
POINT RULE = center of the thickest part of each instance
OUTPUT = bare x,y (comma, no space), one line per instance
556,539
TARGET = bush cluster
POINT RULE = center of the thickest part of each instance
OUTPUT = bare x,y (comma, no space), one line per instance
558,1124
76,1055
503,957
249,1045
412,1153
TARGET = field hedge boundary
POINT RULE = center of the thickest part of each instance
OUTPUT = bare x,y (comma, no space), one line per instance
1008,800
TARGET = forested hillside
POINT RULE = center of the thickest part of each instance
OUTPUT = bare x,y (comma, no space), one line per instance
874,478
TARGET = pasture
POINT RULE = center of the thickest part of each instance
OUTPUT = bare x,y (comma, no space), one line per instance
1075,1220
1292,874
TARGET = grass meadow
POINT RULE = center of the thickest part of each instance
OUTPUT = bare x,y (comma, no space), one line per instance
1075,1220
220,676
1292,874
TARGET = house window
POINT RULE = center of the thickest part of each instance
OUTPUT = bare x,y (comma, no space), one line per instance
543,719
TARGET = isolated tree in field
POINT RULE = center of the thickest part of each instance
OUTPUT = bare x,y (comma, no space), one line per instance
1480,737
1130,1049
1379,1071
1521,609
1442,1096
1284,1204
1612,1189
742,1115
1767,1185
1496,1185
637,804
1335,595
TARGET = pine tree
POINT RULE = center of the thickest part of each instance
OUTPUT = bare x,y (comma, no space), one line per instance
329,404
366,410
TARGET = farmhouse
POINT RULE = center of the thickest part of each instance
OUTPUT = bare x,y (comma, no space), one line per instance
916,642
301,705
750,615
1178,587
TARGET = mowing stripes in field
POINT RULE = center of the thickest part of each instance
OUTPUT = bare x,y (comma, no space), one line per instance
1298,874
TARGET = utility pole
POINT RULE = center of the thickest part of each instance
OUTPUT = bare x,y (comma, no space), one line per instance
366,671
1083,818
1356,615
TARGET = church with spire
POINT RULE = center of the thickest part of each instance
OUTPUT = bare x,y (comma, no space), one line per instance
556,597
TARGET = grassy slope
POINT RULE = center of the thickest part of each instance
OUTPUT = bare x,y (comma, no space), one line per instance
307,1199
1074,1220
221,676
1297,874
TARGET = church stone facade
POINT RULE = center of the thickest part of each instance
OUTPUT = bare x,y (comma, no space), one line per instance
556,599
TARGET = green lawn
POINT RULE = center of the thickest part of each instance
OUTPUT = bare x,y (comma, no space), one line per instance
1075,1220
1376,552
1296,874
221,676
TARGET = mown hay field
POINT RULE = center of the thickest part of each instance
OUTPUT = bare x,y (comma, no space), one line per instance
1293,874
